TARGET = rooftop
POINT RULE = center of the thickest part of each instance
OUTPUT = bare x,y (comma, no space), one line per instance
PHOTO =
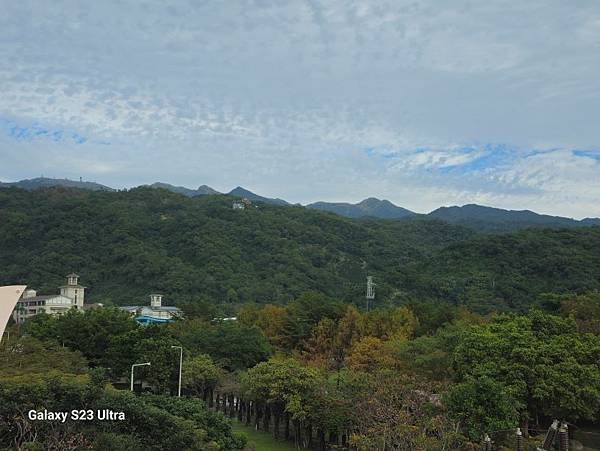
165,308
41,297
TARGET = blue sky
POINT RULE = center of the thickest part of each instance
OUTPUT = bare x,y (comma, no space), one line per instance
425,103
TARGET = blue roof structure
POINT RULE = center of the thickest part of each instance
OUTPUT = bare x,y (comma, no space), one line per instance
145,320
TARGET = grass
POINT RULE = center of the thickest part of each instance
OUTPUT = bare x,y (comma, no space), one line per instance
259,440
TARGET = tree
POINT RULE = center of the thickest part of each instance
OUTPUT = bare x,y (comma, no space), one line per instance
544,363
369,354
319,349
163,372
401,413
271,320
388,323
231,345
431,356
282,385
27,355
585,309
199,375
482,406
153,422
89,332
306,311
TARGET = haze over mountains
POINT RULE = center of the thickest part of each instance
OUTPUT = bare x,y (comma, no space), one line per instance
478,217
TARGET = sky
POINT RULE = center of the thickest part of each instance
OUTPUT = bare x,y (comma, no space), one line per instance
424,103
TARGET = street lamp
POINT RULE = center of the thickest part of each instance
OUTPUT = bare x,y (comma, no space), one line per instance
180,365
133,366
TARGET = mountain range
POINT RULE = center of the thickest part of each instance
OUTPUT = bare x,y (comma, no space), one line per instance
128,243
483,218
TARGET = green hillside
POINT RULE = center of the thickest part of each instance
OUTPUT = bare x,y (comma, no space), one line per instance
510,271
128,244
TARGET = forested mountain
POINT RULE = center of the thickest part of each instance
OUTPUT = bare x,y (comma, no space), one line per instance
44,182
243,192
510,270
128,244
372,207
476,217
499,220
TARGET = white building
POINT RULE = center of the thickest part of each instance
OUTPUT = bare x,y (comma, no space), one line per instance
71,296
73,290
153,313
241,204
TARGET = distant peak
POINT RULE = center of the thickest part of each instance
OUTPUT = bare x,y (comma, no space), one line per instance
370,207
201,191
243,192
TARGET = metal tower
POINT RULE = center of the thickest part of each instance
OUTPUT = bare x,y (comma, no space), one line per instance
370,291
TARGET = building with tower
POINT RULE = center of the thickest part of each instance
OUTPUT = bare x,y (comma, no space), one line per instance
73,290
71,295
154,313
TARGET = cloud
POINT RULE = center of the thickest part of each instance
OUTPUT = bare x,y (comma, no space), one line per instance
36,132
453,99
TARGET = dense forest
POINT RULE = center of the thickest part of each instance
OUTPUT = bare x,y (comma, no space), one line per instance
199,251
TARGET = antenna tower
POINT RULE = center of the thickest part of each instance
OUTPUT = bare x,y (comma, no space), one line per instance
370,291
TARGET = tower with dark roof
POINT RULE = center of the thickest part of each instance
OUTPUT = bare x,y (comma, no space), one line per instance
73,290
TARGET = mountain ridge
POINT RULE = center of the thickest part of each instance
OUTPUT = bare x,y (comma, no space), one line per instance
239,191
478,217
498,219
373,207
45,182
203,190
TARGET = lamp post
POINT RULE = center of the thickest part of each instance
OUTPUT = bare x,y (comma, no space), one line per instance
133,366
180,365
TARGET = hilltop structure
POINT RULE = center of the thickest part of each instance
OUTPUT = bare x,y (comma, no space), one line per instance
241,204
155,313
71,295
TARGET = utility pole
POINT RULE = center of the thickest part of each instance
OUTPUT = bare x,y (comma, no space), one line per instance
370,291
133,366
180,366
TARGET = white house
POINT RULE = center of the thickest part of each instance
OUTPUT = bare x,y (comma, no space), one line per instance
71,295
241,204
